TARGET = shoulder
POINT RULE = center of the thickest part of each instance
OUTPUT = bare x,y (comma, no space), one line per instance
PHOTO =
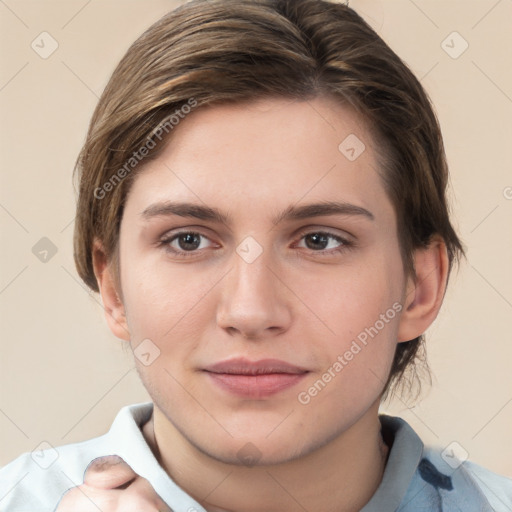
37,480
497,488
419,477
469,481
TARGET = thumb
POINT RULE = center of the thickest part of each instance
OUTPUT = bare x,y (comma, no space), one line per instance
108,472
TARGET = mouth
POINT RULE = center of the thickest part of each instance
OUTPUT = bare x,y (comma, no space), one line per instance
255,379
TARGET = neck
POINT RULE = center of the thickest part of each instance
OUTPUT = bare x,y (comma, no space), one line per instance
340,476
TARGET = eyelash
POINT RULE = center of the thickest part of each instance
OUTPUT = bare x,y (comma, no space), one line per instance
345,244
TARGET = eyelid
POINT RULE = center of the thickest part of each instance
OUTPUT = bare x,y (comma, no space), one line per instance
334,232
170,236
199,230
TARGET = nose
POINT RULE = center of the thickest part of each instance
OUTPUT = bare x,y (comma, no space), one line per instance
254,300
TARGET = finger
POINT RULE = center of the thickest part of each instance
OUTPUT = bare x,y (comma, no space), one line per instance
108,472
137,497
86,499
142,494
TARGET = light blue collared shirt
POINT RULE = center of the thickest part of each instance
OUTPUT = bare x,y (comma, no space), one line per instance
416,479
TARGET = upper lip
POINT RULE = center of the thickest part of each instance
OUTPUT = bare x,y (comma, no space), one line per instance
242,366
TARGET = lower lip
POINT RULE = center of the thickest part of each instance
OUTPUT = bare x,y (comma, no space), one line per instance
256,386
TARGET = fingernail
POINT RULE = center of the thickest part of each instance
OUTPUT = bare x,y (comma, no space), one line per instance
105,462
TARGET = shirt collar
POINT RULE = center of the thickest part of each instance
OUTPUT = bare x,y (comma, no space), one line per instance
127,441
404,456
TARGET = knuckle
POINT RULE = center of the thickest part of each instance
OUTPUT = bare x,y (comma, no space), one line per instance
104,463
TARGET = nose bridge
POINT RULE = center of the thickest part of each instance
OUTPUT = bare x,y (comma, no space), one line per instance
252,278
252,301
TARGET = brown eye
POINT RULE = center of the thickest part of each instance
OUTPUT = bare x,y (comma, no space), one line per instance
189,241
319,241
186,243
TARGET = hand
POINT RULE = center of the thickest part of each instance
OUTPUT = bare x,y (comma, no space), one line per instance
112,486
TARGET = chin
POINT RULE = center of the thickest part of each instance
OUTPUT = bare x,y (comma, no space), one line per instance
251,453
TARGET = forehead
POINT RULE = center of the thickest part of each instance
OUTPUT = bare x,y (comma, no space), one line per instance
263,156
270,130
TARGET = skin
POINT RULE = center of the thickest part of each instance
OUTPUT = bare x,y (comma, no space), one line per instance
301,301
111,485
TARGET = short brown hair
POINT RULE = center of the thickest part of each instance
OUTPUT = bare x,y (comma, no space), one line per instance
217,51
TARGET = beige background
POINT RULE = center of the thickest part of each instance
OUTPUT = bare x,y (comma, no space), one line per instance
63,376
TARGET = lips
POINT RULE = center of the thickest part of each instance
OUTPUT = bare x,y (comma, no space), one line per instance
255,379
241,366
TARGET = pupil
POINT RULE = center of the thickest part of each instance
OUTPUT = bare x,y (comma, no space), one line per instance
317,239
189,241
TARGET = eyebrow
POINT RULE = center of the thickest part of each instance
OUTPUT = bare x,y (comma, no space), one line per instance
207,213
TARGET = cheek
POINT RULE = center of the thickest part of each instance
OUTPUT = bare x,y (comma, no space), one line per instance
166,302
361,308
170,309
356,366
351,298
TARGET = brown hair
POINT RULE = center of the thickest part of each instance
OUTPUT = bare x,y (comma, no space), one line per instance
213,51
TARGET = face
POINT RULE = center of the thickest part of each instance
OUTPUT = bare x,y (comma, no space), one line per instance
260,268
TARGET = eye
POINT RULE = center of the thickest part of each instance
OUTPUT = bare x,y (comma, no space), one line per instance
190,243
319,241
185,242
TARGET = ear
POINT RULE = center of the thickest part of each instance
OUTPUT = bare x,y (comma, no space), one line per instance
112,304
424,290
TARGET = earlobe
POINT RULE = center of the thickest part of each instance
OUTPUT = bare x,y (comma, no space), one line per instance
425,290
112,304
